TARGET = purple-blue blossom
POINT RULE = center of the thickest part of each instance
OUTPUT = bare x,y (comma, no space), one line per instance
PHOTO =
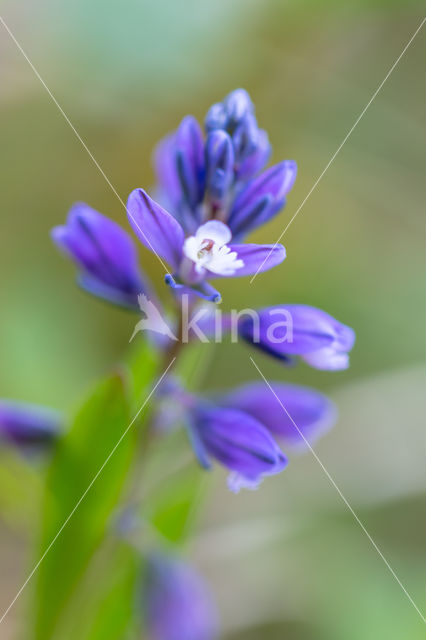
239,429
286,331
177,602
294,414
236,115
208,253
28,426
212,190
261,198
105,255
214,178
219,168
237,440
179,162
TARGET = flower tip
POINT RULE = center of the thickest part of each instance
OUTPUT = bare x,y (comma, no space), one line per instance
58,234
170,281
236,482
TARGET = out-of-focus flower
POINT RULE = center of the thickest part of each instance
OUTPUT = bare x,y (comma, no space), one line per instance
296,415
180,167
237,429
235,115
262,198
177,602
105,255
291,330
199,180
206,254
28,426
237,440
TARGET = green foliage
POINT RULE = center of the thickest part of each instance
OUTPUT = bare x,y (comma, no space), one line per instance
113,613
83,486
193,364
142,361
105,598
173,507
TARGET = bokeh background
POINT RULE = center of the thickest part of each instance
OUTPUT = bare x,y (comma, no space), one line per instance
290,561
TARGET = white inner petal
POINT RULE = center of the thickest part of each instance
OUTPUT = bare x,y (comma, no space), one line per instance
214,230
208,249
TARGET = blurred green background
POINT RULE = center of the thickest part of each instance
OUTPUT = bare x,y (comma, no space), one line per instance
290,561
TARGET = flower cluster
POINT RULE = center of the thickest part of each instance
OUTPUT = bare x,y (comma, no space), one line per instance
212,195
209,196
212,190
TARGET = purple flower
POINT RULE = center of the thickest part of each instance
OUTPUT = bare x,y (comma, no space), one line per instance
194,259
219,167
295,414
237,440
257,159
213,179
27,425
177,602
235,115
262,198
180,166
104,253
299,330
237,429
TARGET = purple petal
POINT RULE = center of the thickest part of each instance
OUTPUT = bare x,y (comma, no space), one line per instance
238,104
177,602
257,256
219,165
311,413
166,170
180,167
28,425
155,227
253,163
228,114
238,441
116,296
327,359
262,198
289,330
204,290
190,160
105,253
245,137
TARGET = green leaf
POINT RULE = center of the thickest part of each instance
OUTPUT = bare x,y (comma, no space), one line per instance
80,488
105,599
114,614
193,364
173,507
175,499
143,359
